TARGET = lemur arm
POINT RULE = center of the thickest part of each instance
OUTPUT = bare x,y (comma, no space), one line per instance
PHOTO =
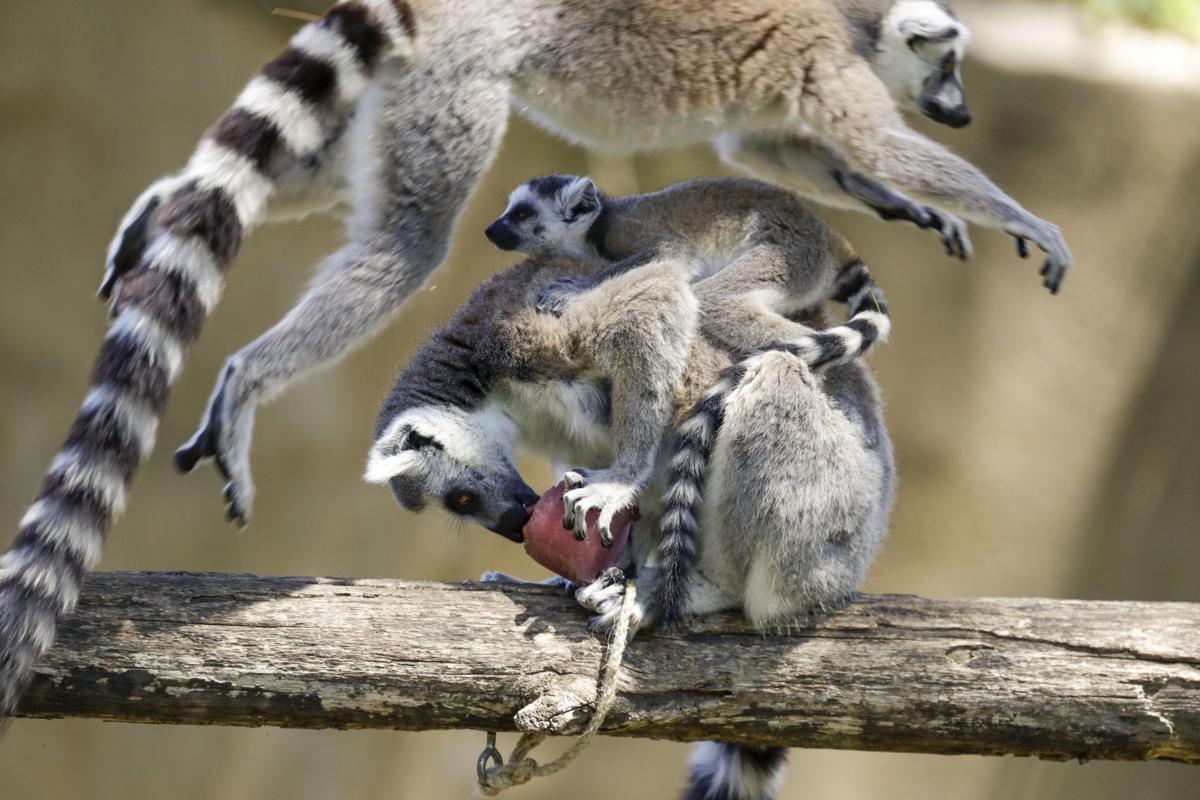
814,167
636,329
877,140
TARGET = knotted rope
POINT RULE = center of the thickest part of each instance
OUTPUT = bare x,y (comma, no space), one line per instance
520,768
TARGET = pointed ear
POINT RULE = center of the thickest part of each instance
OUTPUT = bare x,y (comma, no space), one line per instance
918,31
581,196
395,452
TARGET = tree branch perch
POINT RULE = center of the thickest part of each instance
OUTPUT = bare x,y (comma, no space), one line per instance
1049,678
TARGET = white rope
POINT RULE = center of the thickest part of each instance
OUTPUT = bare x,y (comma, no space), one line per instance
520,768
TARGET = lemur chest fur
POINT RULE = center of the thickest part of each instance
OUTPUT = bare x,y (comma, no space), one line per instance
565,420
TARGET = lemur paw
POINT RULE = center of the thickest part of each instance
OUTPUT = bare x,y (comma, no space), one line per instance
133,236
212,440
954,234
555,297
1049,240
605,596
587,491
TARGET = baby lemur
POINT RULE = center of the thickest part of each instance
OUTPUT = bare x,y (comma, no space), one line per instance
753,250
805,457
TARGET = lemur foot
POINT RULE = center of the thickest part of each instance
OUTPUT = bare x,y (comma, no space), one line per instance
555,297
1050,241
212,440
133,236
587,491
605,596
558,581
953,231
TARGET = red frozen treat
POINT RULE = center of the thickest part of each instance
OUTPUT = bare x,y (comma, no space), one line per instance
554,547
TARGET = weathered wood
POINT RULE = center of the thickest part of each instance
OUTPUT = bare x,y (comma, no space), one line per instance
1049,678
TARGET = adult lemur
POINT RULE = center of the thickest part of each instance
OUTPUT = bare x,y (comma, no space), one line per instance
400,106
778,484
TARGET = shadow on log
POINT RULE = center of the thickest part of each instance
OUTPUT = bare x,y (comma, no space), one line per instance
1057,679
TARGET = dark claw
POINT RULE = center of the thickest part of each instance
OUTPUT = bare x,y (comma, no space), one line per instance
1022,247
606,540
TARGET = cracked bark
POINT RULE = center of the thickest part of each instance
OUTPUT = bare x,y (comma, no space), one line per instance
1049,678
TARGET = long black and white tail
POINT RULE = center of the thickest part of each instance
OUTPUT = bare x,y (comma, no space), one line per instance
169,259
734,772
697,435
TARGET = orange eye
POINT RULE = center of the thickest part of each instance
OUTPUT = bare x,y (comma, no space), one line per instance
463,500
948,67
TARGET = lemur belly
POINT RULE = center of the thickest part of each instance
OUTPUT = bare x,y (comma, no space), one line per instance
620,124
569,422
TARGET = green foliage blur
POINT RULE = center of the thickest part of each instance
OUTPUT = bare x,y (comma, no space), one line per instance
1180,16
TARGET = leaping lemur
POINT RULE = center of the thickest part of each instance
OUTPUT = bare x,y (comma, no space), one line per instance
400,106
806,457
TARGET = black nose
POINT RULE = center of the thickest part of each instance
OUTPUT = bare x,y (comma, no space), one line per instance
527,496
958,117
511,523
502,236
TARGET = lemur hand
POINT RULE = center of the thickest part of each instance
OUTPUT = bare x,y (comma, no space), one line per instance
1050,240
224,436
589,490
891,205
133,236
953,231
555,297
605,596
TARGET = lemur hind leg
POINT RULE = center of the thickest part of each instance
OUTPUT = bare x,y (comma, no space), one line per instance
745,306
426,144
800,488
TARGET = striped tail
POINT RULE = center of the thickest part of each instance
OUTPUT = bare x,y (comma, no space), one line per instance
171,272
697,435
868,322
735,772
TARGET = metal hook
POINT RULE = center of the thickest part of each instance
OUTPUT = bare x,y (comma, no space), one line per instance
489,754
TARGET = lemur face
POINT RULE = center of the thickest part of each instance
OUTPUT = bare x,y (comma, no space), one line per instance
457,460
551,213
920,52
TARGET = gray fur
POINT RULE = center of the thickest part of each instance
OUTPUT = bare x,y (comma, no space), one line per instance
754,252
400,104
801,474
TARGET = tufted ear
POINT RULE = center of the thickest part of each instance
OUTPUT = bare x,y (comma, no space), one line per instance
396,451
924,22
581,197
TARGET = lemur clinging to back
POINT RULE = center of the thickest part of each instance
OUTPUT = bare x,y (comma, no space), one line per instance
399,106
806,458
753,250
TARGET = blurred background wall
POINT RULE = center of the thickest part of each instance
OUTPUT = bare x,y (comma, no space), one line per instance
1047,446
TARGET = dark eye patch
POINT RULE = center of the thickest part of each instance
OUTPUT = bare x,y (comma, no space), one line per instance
521,212
462,501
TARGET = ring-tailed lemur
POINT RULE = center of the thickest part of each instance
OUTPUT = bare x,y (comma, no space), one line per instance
799,466
754,251
401,105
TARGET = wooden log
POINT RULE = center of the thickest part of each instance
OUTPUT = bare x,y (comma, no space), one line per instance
1059,679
